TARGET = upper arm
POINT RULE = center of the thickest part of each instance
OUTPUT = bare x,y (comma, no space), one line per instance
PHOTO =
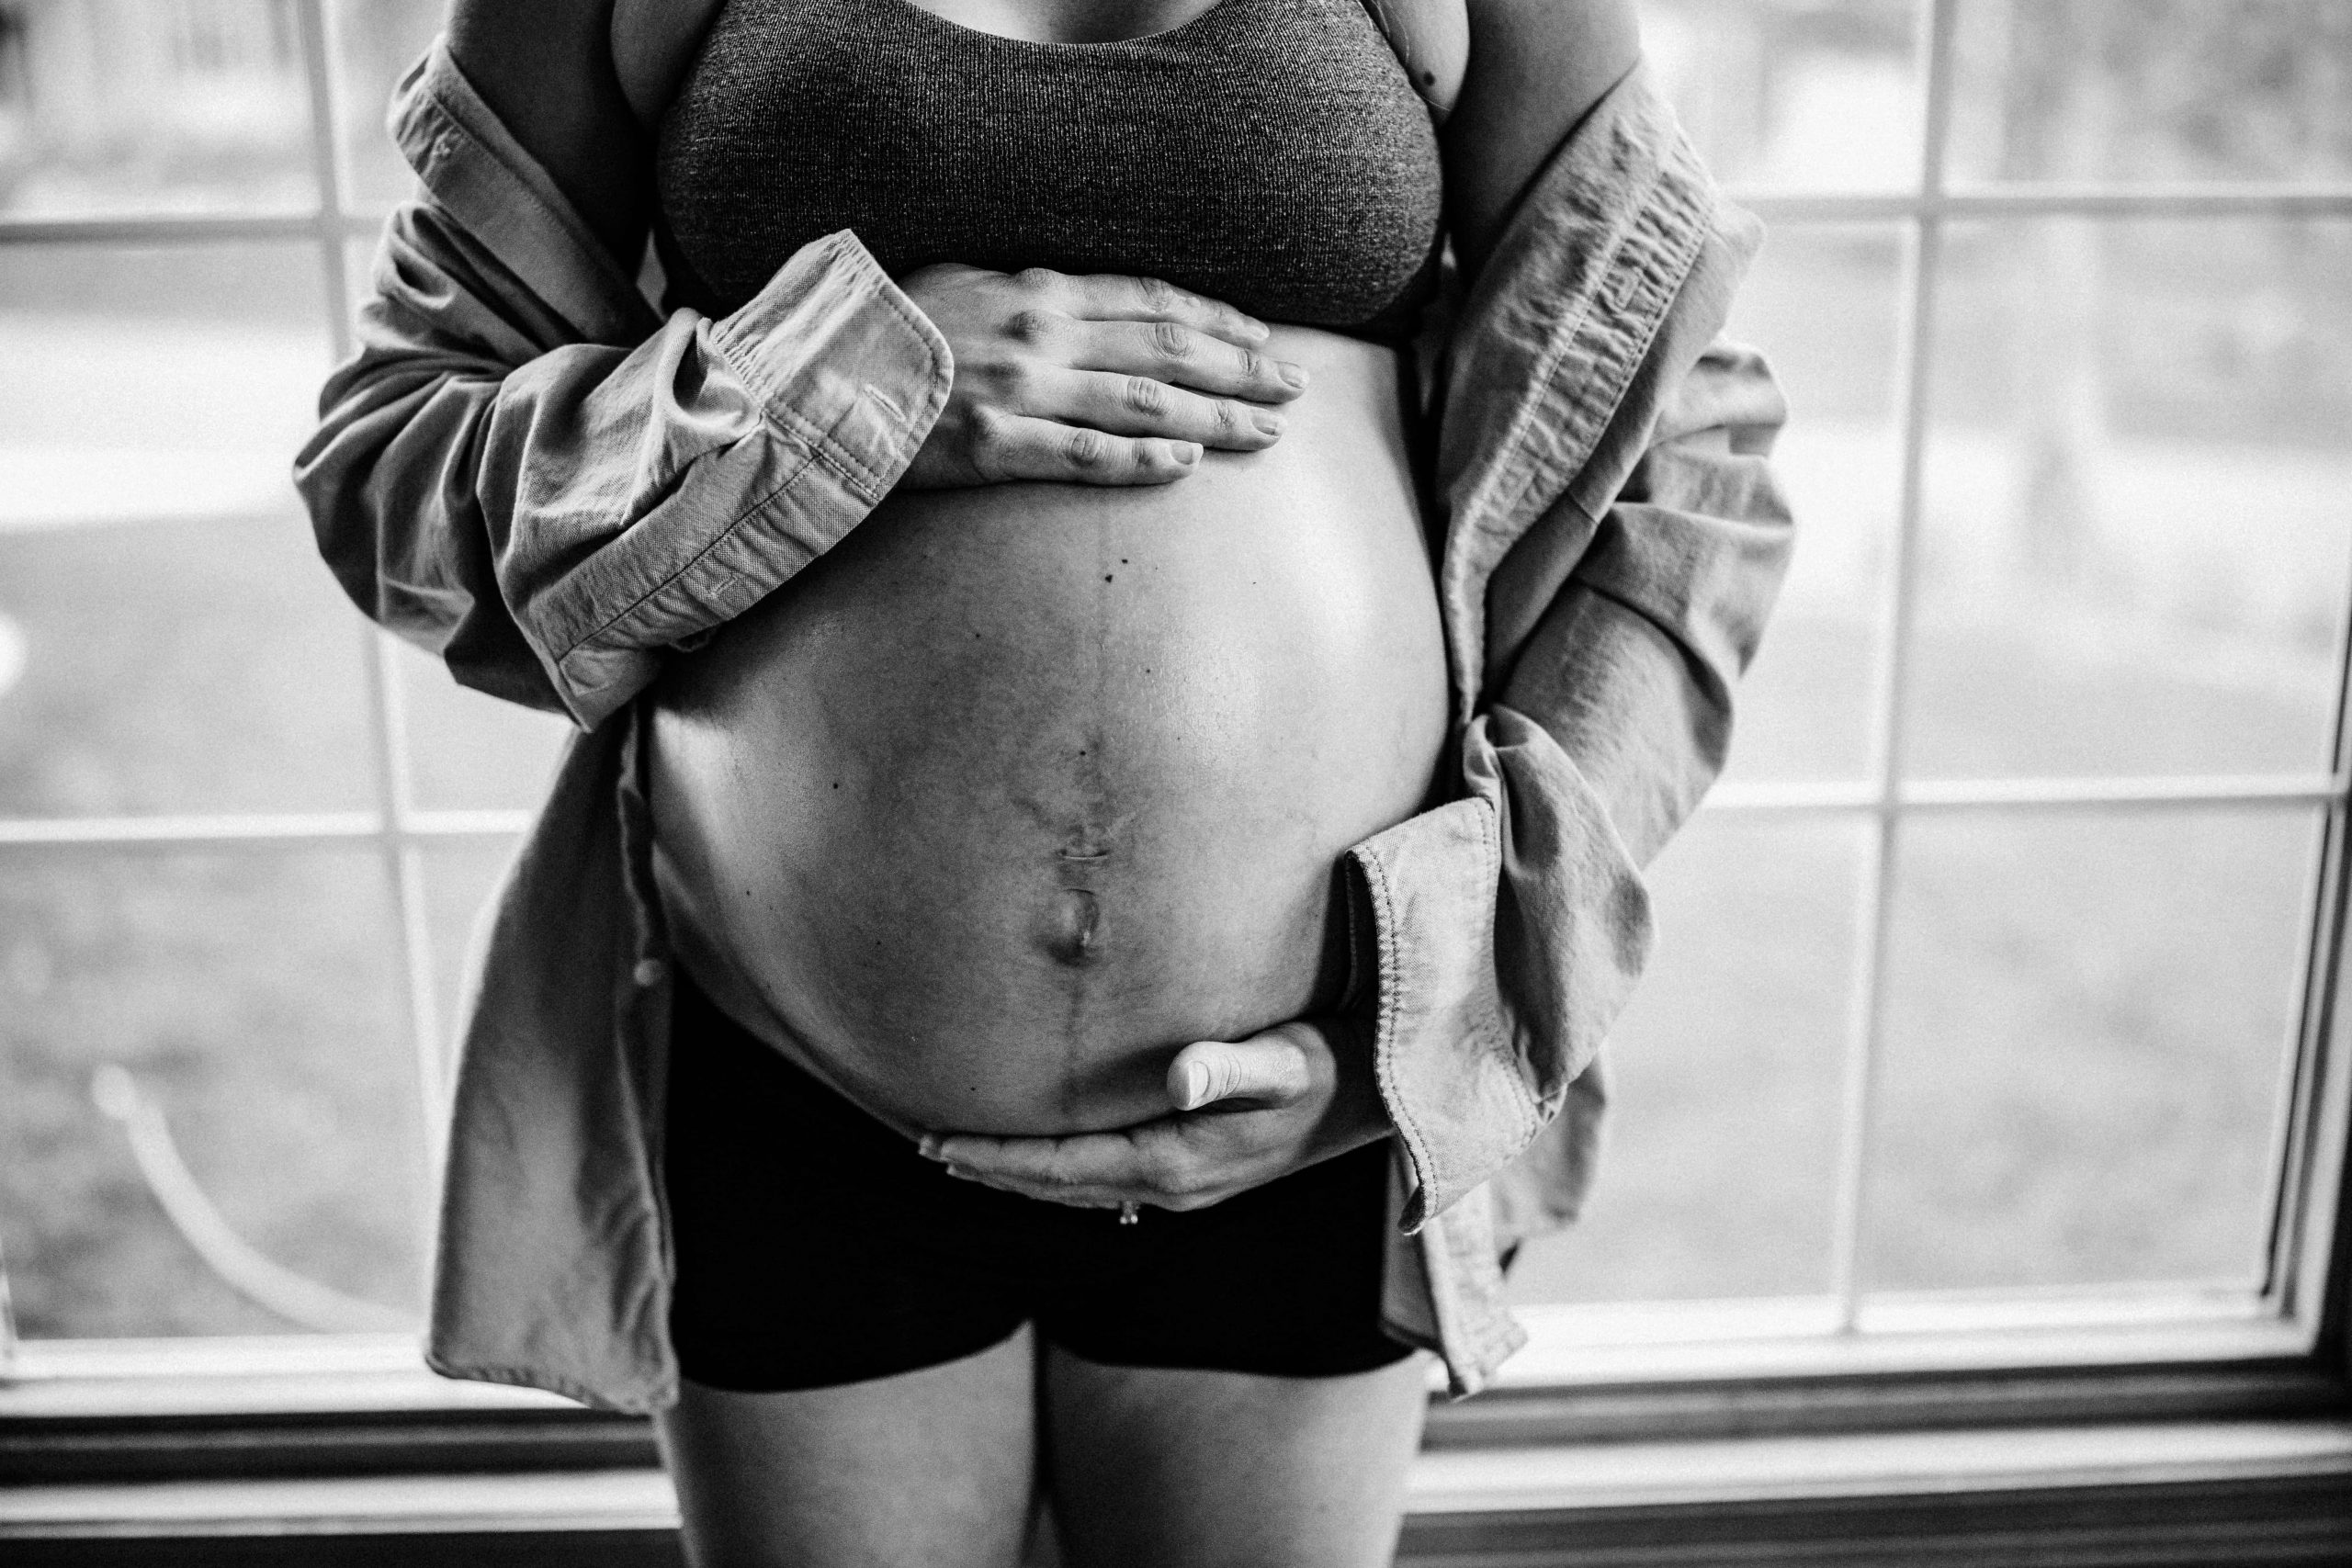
1535,68
545,67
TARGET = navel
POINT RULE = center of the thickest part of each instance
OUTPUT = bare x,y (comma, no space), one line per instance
1071,930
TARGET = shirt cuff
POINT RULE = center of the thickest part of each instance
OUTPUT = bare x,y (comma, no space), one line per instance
1448,1074
847,376
1508,927
838,355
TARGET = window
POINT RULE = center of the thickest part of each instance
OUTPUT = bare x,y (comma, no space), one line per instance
1988,1070
1996,964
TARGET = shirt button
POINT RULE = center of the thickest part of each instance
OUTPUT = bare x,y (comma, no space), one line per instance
649,972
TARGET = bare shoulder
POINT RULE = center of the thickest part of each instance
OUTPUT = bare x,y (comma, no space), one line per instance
1535,68
1432,39
653,43
1569,51
546,69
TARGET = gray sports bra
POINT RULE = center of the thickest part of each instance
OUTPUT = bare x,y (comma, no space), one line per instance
1271,153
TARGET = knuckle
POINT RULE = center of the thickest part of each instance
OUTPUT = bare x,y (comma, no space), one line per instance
1159,294
1086,448
1036,279
1229,416
1144,395
1253,365
1170,340
1031,326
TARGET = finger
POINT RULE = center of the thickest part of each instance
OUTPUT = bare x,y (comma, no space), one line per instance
1138,405
1151,1163
1069,1197
1265,1069
1116,297
1171,352
1082,1160
1198,1197
1022,446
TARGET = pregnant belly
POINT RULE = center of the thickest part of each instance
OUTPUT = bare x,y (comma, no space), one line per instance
1018,790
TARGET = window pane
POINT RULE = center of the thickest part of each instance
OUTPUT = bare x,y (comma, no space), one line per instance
2086,1023
1793,93
252,999
2082,91
1820,301
2139,498
177,644
126,106
468,750
375,42
1723,1138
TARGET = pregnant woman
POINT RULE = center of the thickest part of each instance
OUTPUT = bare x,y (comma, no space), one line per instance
1072,886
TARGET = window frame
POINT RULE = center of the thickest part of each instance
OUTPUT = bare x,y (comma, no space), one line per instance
1845,1363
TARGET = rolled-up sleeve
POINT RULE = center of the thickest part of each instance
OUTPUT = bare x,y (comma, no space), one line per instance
525,471
1610,577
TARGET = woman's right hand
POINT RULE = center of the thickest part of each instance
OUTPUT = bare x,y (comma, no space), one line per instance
1104,380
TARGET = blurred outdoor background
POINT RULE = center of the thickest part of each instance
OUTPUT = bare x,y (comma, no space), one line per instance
2137,530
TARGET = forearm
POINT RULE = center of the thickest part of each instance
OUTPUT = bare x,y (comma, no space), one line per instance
590,505
529,473
1514,921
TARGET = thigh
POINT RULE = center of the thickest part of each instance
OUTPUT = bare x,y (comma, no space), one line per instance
929,1467
1150,1465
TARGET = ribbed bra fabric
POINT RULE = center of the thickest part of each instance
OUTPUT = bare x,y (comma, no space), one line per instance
1271,153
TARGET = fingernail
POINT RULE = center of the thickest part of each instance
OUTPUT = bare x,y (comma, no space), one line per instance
1294,377
1188,451
1267,423
1258,329
929,1147
960,1174
1196,1086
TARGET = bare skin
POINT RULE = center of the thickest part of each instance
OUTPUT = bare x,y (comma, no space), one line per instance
1142,1466
935,1466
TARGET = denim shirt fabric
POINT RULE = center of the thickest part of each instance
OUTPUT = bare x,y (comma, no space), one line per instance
531,473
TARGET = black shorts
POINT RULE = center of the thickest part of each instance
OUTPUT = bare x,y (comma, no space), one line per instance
815,1247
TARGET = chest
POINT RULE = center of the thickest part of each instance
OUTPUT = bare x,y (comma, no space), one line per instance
653,43
1271,153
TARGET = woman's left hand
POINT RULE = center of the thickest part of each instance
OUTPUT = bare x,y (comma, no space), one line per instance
1243,1112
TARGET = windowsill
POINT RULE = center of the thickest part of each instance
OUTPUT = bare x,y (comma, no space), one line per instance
2286,1485
1570,1347
359,1408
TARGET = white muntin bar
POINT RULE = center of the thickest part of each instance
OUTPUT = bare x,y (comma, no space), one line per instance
2186,792
2309,1121
160,228
404,864
2267,199
1914,358
234,832
241,832
2247,200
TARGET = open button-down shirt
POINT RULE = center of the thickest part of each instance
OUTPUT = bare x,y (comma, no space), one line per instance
529,471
